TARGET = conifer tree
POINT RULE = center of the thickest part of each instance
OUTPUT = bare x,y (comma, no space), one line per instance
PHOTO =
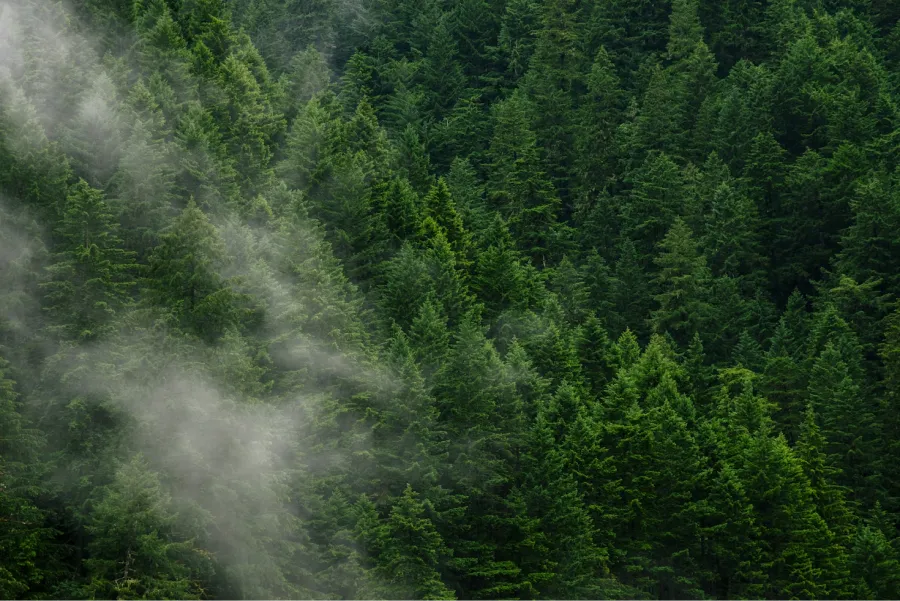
656,199
867,248
553,82
524,299
682,306
597,119
889,351
517,185
410,552
780,494
659,522
440,206
183,275
731,239
443,76
848,423
874,565
132,552
735,538
503,279
577,567
25,535
516,39
630,292
829,497
90,279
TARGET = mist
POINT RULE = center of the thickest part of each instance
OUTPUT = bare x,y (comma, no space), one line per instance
220,442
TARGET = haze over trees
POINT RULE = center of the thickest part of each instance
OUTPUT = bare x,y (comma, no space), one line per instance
475,299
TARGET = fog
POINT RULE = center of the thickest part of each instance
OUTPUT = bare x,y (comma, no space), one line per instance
197,412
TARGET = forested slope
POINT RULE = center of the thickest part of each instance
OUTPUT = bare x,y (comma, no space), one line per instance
438,299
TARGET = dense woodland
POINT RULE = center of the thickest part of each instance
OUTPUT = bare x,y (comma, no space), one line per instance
449,299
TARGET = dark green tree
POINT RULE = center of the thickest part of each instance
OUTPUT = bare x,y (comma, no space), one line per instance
139,549
91,278
682,306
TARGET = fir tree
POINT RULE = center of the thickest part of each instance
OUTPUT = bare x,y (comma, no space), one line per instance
132,552
91,277
682,306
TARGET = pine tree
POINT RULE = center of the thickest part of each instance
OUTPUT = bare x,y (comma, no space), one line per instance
731,239
131,552
734,114
656,198
443,76
734,538
874,565
867,247
889,352
25,538
411,550
576,566
429,336
145,187
748,353
402,211
568,283
516,39
598,116
503,279
517,185
305,146
440,206
848,423
800,556
467,192
511,310
659,523
630,292
553,82
630,31
682,306
830,498
91,278
784,380
183,275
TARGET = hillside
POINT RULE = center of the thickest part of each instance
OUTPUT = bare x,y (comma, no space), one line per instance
473,299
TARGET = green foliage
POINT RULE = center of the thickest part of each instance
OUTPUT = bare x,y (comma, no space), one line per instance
410,552
136,548
681,300
449,300
90,280
517,186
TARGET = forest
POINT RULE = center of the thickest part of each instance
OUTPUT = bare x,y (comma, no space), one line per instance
449,299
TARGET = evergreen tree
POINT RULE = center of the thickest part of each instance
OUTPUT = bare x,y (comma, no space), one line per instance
517,185
132,552
90,278
439,206
410,553
553,82
576,566
183,276
503,279
682,306
443,75
873,564
630,291
655,201
598,116
867,251
25,535
848,424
